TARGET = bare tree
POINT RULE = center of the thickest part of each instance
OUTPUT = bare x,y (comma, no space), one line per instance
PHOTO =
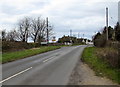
37,29
12,35
50,32
3,32
23,28
34,30
42,31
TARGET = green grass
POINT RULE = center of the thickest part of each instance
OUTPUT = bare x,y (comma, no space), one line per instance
11,56
100,67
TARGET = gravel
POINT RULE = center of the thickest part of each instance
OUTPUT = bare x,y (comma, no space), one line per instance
83,75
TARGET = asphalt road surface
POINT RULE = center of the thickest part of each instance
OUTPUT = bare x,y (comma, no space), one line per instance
50,68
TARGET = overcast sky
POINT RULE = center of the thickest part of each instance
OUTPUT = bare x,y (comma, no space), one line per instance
81,16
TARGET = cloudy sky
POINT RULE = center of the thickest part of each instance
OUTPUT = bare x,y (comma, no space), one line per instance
81,16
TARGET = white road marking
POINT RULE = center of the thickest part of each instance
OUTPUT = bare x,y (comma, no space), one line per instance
48,59
37,61
15,75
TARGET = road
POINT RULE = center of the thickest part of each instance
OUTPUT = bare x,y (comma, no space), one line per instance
50,68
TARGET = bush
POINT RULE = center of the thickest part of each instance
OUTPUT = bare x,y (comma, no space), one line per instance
100,41
113,44
100,66
16,46
5,46
119,54
110,55
32,45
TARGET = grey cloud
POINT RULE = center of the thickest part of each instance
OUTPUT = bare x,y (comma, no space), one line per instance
13,10
65,18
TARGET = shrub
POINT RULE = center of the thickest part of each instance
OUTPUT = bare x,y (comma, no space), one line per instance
100,41
110,55
15,46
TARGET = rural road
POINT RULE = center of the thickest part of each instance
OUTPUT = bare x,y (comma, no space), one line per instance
50,68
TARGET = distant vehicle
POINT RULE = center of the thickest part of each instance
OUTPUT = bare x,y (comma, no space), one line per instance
67,43
43,43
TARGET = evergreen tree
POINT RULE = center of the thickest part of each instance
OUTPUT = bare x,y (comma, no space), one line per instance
117,32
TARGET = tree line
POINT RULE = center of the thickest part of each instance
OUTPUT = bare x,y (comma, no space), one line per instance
72,39
100,40
28,27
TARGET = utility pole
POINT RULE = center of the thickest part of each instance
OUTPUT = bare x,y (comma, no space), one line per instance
107,23
70,33
119,12
83,36
78,34
70,36
47,30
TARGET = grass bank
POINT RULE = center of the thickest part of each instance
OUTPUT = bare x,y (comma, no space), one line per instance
11,56
101,67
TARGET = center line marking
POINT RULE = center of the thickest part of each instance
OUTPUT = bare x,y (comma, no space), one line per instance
15,75
48,59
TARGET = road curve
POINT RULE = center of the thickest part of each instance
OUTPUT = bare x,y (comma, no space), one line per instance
50,68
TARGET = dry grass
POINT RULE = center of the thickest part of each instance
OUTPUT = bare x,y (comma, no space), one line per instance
110,55
98,62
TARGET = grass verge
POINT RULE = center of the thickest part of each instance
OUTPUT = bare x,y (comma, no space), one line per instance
100,67
12,56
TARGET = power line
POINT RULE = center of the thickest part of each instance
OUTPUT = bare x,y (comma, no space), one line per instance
112,20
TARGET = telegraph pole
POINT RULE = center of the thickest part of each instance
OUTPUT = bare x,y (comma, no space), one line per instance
83,35
71,36
119,12
47,30
107,23
70,33
78,34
